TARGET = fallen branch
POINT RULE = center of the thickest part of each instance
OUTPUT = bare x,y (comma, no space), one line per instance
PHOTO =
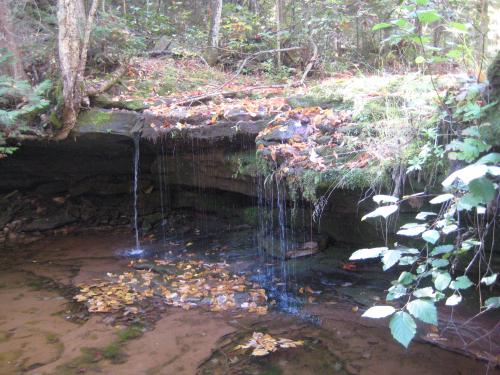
206,97
253,56
99,88
311,62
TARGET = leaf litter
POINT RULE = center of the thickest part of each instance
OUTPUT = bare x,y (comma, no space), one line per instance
185,284
264,344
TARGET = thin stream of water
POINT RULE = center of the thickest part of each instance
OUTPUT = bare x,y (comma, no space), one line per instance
136,185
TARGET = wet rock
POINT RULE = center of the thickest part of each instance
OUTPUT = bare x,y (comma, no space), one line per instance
292,129
52,188
305,250
100,185
238,114
161,46
48,223
150,221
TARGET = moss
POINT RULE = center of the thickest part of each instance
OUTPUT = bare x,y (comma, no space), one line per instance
87,361
130,333
95,117
244,164
4,336
51,338
114,353
8,358
251,215
104,101
54,120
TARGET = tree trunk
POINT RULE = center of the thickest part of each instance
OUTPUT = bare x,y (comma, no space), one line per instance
73,46
213,36
8,41
279,25
253,5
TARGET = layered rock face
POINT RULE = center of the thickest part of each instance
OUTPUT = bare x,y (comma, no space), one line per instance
86,180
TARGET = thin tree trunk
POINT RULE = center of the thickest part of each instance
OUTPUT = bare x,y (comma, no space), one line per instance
8,41
253,5
213,36
279,19
73,48
483,37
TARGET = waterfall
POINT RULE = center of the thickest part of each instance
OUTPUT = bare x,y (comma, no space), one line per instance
137,139
162,174
275,240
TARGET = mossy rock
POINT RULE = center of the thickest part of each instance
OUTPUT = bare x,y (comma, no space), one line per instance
107,121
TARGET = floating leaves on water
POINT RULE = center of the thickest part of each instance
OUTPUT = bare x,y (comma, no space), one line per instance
263,344
107,297
185,284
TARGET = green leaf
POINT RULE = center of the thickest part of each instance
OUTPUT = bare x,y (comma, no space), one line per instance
431,236
491,158
482,188
401,22
461,282
390,258
449,228
492,303
427,292
368,253
488,280
442,281
385,199
423,215
423,310
454,54
460,27
441,198
422,2
453,300
403,328
384,211
494,171
407,260
466,175
421,269
413,231
405,278
468,202
428,16
382,25
395,292
420,60
377,312
438,263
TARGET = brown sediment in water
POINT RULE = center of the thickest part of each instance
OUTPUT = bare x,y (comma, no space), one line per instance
40,335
